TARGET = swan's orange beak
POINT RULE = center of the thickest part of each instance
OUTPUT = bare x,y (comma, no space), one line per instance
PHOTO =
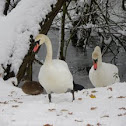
95,64
36,48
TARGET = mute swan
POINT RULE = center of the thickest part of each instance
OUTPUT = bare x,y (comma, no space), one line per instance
54,75
102,74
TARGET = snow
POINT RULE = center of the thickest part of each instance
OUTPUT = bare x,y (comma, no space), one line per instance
105,106
123,32
17,26
2,4
81,2
107,41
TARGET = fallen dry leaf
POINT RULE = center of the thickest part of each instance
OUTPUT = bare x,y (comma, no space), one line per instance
94,91
78,120
51,110
70,113
47,125
13,100
84,92
15,106
18,98
12,92
89,125
64,110
110,97
98,124
123,108
92,96
93,108
58,115
121,97
109,89
122,114
4,102
105,116
10,95
79,98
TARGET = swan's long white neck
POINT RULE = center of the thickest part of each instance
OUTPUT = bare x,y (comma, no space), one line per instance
99,64
97,55
99,61
48,44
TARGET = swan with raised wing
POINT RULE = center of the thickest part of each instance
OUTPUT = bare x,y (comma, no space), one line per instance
54,75
102,74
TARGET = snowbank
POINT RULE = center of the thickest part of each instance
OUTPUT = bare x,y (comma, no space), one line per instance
16,28
2,4
104,106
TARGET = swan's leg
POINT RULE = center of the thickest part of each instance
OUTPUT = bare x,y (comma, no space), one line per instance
72,91
49,96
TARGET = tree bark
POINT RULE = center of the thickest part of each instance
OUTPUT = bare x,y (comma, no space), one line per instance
123,5
63,32
49,18
25,69
7,4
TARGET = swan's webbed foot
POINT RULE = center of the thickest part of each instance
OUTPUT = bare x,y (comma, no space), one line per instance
49,96
72,91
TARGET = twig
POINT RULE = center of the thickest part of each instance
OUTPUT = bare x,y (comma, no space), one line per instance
40,63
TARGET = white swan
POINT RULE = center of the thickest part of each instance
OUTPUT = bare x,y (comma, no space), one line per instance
54,75
102,74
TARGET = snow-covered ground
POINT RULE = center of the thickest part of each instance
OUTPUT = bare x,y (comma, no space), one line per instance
2,3
92,107
104,106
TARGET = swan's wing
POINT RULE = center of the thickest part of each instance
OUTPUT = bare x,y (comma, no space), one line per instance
60,62
112,71
110,67
62,68
56,77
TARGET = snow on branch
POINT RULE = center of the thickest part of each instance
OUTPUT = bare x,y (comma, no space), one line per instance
16,28
2,3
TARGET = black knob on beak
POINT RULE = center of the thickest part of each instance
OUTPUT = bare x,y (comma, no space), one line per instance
95,60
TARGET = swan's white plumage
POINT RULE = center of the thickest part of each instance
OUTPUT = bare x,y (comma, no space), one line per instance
54,75
105,74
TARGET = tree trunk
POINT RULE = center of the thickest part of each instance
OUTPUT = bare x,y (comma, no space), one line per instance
123,5
49,18
63,32
26,67
7,4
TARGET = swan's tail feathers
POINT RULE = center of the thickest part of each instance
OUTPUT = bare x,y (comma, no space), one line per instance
49,96
77,87
116,76
72,91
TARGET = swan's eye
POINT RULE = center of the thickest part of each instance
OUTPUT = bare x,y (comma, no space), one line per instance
36,46
37,42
